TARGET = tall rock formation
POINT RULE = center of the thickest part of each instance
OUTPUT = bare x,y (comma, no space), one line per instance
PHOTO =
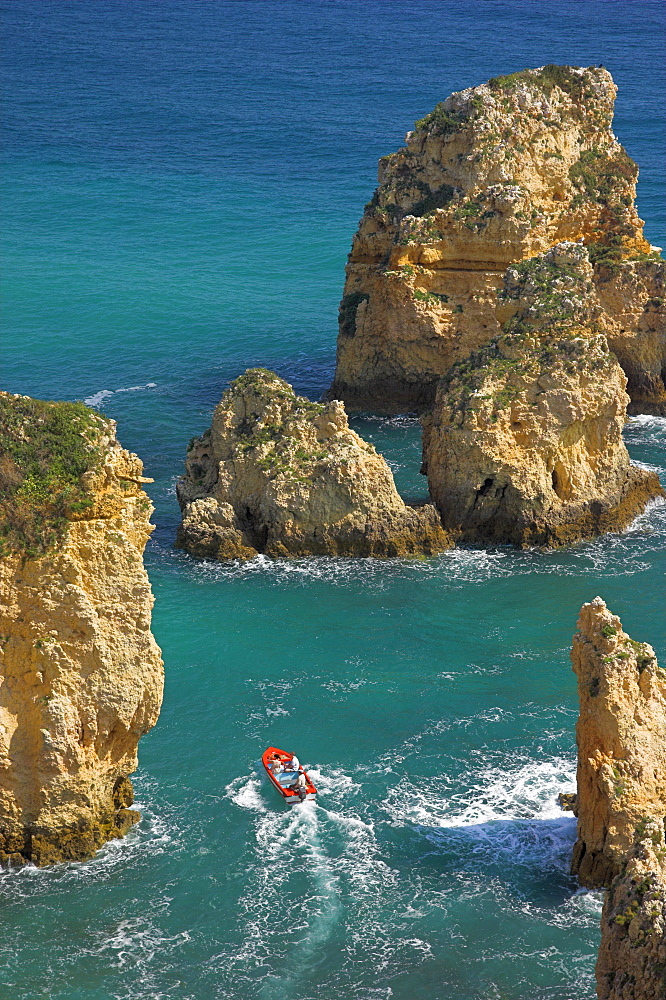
80,674
524,443
621,801
280,475
621,737
495,174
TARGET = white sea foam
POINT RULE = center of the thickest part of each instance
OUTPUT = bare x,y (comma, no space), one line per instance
648,422
526,792
98,397
138,940
510,813
246,793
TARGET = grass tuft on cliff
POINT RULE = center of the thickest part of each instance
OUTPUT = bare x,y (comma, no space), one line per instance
45,448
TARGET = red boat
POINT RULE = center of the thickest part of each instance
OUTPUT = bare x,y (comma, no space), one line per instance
293,783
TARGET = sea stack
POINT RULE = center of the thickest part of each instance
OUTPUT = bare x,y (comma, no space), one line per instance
281,475
493,175
524,443
81,676
621,801
621,737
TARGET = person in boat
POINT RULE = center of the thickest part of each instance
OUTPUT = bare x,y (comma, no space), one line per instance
276,764
295,764
300,785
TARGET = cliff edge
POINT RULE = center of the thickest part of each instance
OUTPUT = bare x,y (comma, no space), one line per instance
80,674
281,475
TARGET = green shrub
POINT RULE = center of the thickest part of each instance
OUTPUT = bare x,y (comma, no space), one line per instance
602,177
347,312
442,121
45,447
432,199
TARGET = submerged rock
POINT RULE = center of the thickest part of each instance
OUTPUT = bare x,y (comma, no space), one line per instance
524,443
80,674
621,737
495,174
280,475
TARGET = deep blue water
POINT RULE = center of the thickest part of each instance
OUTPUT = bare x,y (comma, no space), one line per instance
181,184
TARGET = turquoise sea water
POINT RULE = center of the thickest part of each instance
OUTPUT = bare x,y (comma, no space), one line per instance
182,182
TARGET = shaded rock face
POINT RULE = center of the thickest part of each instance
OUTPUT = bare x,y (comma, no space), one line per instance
495,174
631,964
632,300
280,475
81,676
524,443
621,737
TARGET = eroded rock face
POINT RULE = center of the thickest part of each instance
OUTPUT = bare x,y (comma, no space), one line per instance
524,443
495,174
631,964
80,674
632,314
621,737
281,475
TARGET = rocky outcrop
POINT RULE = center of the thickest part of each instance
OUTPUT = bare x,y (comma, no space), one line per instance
631,964
495,174
80,674
524,444
621,737
280,475
632,314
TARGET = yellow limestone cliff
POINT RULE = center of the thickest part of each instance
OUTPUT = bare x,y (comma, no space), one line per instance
621,737
524,443
631,964
632,313
495,174
280,475
80,674
621,801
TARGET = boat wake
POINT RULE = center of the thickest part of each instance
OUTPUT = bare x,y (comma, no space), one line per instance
318,883
98,398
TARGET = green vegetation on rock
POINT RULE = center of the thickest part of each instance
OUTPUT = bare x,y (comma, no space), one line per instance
603,177
347,313
432,200
441,120
576,85
45,448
